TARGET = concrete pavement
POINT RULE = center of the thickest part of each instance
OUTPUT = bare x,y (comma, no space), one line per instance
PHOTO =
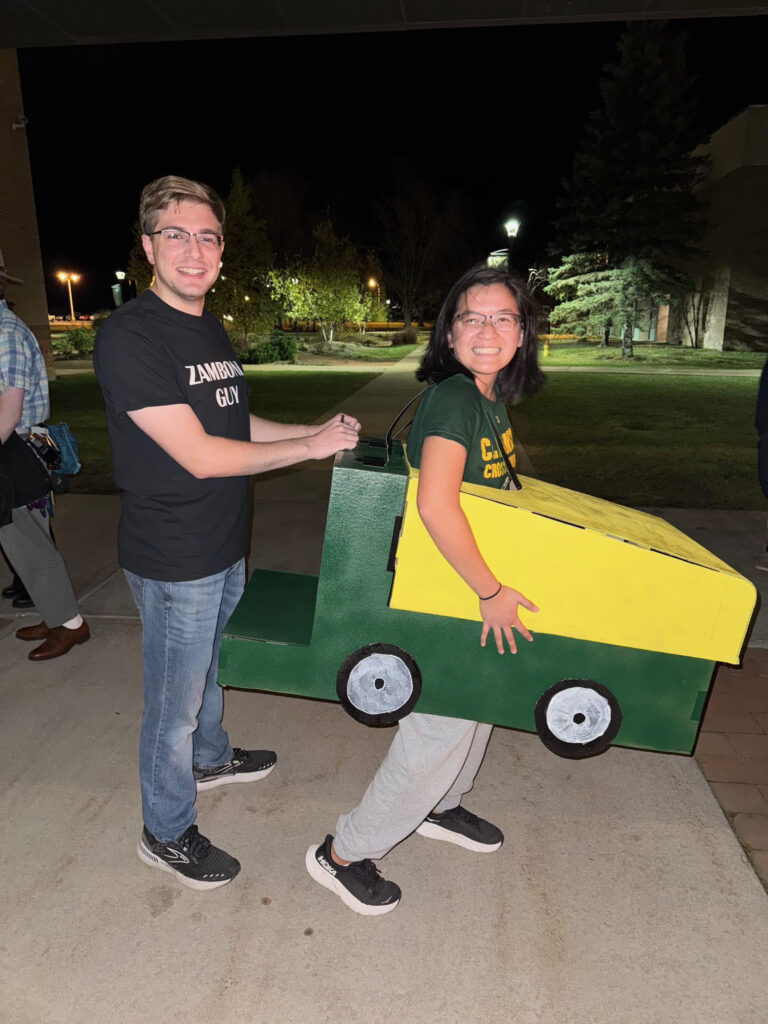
620,894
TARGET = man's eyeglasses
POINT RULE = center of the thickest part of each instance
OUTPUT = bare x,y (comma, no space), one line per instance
175,236
501,321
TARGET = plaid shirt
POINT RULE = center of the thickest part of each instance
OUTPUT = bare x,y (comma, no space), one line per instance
22,366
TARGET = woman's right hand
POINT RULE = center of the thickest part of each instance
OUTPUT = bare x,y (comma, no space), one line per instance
500,614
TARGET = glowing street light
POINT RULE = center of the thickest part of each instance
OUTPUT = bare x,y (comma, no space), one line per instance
500,257
373,283
70,280
512,226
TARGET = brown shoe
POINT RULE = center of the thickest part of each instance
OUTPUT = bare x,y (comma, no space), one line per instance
38,632
59,641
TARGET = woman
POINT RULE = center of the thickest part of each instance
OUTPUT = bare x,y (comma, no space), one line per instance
482,353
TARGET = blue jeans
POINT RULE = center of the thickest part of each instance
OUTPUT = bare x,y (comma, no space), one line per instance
181,725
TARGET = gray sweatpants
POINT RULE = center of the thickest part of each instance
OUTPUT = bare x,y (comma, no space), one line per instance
430,765
27,542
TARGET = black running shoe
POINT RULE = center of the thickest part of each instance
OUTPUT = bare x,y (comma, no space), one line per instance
191,857
463,828
359,884
245,766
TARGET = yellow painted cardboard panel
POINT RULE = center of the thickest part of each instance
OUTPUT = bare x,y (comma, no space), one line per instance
589,583
604,516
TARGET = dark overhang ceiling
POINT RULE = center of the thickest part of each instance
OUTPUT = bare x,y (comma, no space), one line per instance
26,23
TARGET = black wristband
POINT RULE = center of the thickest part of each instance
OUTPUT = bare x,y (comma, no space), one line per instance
491,595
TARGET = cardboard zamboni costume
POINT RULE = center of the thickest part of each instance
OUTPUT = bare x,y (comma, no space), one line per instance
634,615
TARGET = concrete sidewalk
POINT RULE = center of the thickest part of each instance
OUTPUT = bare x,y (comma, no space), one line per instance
621,893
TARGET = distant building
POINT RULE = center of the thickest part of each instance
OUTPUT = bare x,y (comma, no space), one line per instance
730,310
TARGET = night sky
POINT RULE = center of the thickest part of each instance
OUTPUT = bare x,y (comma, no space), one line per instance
494,112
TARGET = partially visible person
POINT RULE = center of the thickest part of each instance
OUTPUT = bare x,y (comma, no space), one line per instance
15,592
761,425
184,447
482,353
26,538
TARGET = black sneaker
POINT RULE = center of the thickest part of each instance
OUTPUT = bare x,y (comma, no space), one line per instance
359,884
462,827
245,766
191,857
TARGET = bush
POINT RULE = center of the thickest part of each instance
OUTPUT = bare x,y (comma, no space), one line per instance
406,337
278,349
72,344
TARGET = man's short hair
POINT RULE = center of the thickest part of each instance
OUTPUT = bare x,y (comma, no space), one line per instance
164,192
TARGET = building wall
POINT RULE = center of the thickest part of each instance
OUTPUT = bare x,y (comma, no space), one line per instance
734,268
18,220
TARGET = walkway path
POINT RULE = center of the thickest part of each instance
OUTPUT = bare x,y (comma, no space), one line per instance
621,893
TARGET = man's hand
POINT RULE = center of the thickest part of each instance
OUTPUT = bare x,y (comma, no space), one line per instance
335,435
501,614
340,417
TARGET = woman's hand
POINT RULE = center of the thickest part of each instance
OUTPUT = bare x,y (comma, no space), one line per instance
500,613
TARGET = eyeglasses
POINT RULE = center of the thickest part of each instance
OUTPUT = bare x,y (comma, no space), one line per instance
501,321
175,236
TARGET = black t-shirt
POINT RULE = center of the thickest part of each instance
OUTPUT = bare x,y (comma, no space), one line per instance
173,527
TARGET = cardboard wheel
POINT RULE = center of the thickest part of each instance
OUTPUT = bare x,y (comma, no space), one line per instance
378,684
577,718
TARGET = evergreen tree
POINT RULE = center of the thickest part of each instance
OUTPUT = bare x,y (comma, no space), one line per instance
595,298
241,297
630,214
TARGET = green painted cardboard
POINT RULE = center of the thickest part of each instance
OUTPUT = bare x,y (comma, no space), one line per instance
290,633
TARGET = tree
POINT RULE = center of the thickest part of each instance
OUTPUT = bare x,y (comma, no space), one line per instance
630,213
138,268
594,298
695,308
280,200
241,297
421,234
326,288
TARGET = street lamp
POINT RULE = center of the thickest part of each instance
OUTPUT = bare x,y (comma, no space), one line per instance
70,279
512,226
500,257
373,283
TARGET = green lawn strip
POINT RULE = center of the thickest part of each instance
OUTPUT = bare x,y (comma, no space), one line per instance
285,396
669,441
584,353
354,350
301,396
389,354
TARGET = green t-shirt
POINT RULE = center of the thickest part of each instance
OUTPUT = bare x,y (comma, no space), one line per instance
456,410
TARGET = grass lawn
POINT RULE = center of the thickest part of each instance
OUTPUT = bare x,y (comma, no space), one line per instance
352,349
387,354
647,441
669,441
586,353
289,396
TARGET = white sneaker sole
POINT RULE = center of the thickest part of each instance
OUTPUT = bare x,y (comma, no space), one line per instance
151,859
329,882
430,831
226,780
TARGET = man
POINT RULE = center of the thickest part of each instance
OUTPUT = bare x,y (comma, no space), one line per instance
183,447
26,538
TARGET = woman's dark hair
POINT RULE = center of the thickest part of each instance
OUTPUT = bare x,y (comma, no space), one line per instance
520,377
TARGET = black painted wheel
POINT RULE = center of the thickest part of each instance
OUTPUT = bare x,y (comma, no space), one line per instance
577,718
378,684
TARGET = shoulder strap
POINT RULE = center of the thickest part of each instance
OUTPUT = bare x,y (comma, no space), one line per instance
515,479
